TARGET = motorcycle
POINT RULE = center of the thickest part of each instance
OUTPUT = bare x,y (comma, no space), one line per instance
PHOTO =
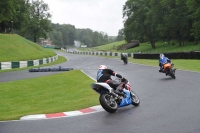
125,59
111,100
169,70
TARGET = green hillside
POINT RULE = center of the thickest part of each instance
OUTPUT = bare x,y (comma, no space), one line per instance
161,47
16,48
107,47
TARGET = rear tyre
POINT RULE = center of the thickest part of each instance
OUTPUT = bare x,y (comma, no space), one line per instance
126,61
108,103
172,73
135,99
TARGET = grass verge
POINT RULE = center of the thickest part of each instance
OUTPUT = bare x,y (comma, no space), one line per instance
191,65
65,91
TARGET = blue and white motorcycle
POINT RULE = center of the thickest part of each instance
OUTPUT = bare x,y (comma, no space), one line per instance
111,100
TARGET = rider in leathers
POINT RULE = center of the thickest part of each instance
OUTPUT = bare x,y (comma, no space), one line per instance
124,58
104,75
163,59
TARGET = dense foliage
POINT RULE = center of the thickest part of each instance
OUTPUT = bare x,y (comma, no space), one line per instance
29,19
153,20
64,35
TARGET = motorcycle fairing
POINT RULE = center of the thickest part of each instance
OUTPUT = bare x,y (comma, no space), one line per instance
95,86
127,100
167,65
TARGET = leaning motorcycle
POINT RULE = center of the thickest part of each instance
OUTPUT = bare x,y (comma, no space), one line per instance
110,100
125,60
169,70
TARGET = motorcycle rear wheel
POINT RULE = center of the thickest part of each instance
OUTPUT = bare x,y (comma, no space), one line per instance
172,73
135,99
108,103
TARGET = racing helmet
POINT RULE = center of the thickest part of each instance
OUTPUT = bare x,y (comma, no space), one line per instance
102,67
162,56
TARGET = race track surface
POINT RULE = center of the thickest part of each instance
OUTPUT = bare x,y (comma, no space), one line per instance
167,105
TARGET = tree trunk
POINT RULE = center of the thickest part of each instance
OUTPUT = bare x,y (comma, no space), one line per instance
151,38
35,39
2,29
196,41
168,41
152,44
179,38
179,42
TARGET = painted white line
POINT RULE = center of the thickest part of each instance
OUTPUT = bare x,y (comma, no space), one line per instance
88,75
33,117
73,113
98,108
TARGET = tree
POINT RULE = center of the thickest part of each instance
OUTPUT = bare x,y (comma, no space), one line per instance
120,35
154,20
39,23
7,11
71,32
175,23
56,37
95,38
21,17
139,21
194,10
63,35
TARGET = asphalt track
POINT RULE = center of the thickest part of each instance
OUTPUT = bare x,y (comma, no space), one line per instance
167,105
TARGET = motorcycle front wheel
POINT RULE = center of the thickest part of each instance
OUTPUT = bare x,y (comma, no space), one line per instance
135,99
108,102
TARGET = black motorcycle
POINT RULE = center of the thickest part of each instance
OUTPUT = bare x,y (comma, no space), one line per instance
124,58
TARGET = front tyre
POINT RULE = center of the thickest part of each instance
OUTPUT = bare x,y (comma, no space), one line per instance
108,102
135,99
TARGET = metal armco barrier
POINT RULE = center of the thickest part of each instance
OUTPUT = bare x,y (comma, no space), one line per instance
102,53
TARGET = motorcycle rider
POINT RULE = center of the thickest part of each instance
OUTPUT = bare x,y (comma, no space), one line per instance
104,75
124,57
163,59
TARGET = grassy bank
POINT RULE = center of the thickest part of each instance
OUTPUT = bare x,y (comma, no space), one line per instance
108,47
48,94
16,48
161,47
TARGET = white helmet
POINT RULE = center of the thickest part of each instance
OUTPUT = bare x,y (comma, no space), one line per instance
162,56
102,67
